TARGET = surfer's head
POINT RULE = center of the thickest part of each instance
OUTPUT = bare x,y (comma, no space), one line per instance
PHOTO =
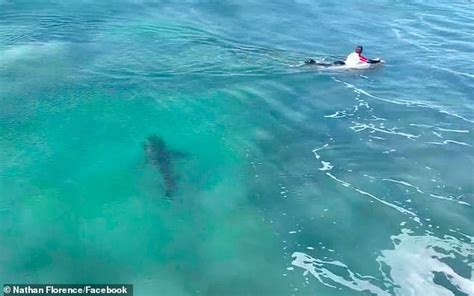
359,49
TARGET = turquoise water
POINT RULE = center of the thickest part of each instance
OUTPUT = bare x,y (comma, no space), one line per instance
294,181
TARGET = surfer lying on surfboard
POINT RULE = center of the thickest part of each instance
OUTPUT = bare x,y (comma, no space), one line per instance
354,60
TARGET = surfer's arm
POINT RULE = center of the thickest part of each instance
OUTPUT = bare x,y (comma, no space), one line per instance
363,59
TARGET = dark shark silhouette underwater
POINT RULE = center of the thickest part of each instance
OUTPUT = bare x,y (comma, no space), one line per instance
158,155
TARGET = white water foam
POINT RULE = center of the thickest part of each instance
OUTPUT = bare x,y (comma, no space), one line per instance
415,260
413,263
407,103
320,270
358,127
315,150
446,142
327,167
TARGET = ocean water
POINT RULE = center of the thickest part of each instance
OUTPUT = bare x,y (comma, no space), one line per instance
288,180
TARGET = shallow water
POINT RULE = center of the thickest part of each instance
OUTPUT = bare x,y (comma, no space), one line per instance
291,180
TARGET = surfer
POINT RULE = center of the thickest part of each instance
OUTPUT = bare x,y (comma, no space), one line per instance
356,58
353,60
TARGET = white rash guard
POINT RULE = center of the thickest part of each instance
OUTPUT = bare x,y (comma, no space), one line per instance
355,59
